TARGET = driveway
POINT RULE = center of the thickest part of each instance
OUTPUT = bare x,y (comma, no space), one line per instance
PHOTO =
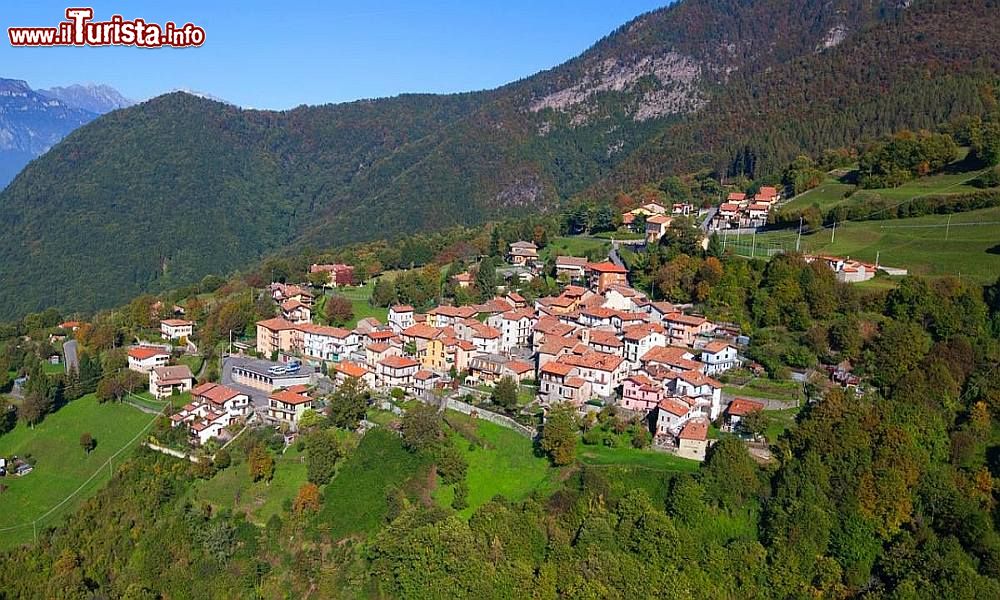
71,355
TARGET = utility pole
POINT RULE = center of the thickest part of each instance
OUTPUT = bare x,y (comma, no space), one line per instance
833,234
798,240
753,243
947,228
877,254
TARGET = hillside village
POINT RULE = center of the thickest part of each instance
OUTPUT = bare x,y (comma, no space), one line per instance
598,343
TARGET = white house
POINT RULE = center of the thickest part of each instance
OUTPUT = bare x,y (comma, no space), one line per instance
223,399
515,327
397,372
328,343
697,385
164,381
175,329
640,339
719,357
605,372
143,359
400,317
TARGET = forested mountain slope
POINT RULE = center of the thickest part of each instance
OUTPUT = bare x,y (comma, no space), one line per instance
178,187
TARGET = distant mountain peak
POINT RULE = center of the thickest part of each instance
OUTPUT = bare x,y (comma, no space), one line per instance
95,98
14,86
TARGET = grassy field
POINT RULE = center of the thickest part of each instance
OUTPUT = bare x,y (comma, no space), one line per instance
649,459
826,195
359,297
53,369
926,245
193,362
788,391
233,489
573,246
779,422
507,466
62,466
942,183
355,502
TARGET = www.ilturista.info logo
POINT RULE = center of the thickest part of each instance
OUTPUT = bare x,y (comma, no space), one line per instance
79,29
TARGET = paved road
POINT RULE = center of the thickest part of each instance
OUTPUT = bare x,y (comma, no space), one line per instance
71,355
708,219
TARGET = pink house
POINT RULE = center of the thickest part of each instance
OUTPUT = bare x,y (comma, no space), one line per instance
640,393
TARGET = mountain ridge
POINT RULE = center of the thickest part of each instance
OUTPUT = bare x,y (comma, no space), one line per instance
673,90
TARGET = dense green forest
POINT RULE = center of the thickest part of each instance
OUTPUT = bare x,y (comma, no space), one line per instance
166,192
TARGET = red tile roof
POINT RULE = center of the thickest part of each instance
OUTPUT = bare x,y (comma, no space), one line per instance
399,362
699,379
276,324
606,267
422,331
674,406
145,352
519,366
289,397
351,369
593,360
741,407
696,429
717,346
557,368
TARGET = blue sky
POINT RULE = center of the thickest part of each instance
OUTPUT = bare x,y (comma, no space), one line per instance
268,54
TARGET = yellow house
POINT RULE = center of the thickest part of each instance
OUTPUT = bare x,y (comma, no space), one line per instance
434,356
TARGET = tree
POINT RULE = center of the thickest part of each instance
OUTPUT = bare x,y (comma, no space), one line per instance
496,243
451,464
8,416
714,246
307,499
755,423
559,434
222,459
260,463
87,442
603,219
338,310
348,405
486,278
310,419
322,453
461,498
421,428
504,393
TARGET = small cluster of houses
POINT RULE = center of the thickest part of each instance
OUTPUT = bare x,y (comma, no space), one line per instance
742,211
340,274
847,269
598,340
212,409
653,219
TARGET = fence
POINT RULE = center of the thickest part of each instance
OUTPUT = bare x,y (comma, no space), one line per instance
492,417
171,452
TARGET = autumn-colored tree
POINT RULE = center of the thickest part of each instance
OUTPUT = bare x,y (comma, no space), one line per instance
260,463
338,310
307,499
